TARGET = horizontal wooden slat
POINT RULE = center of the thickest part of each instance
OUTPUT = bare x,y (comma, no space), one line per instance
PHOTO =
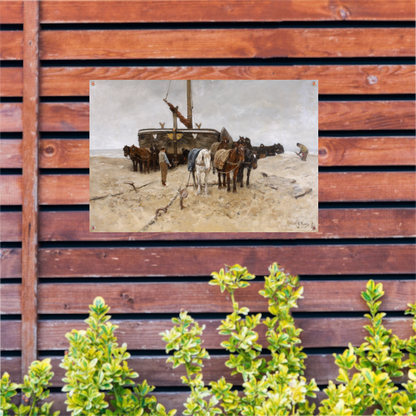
11,80
64,153
10,153
366,186
363,115
333,187
12,366
11,117
224,11
226,43
201,261
11,263
11,335
11,299
158,373
202,297
333,223
11,226
11,189
337,223
367,151
345,151
333,115
339,79
144,334
11,12
11,45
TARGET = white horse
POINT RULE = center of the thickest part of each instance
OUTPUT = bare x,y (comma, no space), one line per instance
202,166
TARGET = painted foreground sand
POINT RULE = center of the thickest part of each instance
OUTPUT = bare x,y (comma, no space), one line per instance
285,201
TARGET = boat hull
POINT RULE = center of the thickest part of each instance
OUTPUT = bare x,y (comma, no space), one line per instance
190,139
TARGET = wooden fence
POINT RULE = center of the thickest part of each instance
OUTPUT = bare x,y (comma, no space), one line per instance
52,267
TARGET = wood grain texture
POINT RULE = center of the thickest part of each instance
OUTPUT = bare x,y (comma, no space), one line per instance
226,43
64,153
11,12
224,11
11,336
11,45
11,263
201,297
11,226
333,79
333,115
391,186
357,115
333,151
333,224
10,153
30,180
11,189
333,187
201,261
144,334
11,299
11,80
11,117
367,151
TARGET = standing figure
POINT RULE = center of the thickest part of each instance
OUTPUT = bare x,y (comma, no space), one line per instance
303,153
163,163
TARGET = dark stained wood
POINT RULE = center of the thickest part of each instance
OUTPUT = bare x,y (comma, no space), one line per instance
348,151
340,79
11,79
30,184
11,336
157,372
224,11
11,12
144,334
384,115
11,226
333,115
391,186
11,189
11,295
64,117
10,153
12,366
11,117
333,186
11,263
11,45
200,297
201,261
64,153
333,223
226,43
367,151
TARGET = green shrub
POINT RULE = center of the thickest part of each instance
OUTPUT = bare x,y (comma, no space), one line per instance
275,387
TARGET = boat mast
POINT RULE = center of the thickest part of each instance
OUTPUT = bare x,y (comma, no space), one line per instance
189,103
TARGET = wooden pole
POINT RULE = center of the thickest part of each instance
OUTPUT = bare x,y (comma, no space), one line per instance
189,102
30,182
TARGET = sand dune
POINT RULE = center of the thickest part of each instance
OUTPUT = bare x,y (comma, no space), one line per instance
284,201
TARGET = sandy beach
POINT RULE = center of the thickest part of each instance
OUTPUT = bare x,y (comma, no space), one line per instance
284,201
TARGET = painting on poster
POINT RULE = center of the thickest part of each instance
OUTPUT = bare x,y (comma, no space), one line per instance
203,156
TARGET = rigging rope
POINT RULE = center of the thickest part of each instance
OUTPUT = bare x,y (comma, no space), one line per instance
167,93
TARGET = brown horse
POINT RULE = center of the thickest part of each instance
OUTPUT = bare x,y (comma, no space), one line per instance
126,150
141,156
232,164
250,162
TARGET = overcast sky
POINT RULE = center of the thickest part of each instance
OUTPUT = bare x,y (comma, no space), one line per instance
267,112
